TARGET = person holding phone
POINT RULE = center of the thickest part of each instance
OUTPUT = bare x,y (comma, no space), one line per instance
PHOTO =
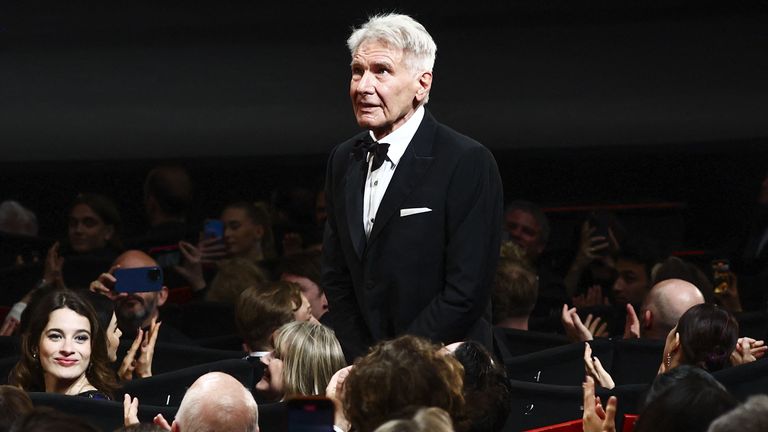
138,296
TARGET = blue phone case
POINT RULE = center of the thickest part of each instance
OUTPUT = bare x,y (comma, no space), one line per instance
213,228
141,279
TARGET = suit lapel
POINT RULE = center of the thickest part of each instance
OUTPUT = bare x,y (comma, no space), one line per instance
355,179
412,166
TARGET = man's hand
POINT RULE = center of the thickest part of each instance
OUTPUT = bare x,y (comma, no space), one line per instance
594,368
597,419
632,324
578,331
105,284
747,350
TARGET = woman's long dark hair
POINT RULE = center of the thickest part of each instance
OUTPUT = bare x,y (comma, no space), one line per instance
28,374
708,336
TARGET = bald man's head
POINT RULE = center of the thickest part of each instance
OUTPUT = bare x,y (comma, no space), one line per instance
664,305
137,309
217,402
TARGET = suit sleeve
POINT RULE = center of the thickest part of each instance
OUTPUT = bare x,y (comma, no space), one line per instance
473,235
343,310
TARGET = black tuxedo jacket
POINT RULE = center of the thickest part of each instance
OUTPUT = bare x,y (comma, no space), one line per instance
426,273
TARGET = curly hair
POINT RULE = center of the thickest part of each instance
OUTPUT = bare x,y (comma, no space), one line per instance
28,373
404,372
708,336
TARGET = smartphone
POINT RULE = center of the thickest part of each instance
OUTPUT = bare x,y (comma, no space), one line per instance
600,222
213,228
141,279
310,414
721,272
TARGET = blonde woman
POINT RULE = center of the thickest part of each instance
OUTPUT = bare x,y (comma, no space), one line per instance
304,359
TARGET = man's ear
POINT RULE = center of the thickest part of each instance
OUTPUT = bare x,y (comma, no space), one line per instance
647,319
425,85
162,296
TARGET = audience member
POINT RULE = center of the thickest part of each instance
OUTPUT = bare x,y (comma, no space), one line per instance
63,348
215,402
677,268
662,308
137,311
17,219
260,311
304,359
486,388
248,231
689,402
515,290
594,264
14,404
751,416
233,277
304,270
404,372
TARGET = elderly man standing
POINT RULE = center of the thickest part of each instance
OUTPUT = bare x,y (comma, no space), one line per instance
414,208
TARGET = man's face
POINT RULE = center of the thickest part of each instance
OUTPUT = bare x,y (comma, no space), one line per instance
137,309
524,231
631,285
384,91
312,292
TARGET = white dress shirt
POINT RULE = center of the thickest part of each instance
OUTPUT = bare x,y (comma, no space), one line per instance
376,182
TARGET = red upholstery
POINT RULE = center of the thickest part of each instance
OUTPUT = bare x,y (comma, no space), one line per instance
570,426
629,422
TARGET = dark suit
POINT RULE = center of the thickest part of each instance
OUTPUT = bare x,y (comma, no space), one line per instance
427,274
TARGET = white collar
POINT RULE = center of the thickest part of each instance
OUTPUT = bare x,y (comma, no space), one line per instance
399,139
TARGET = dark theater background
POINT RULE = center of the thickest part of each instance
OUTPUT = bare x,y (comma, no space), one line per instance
656,107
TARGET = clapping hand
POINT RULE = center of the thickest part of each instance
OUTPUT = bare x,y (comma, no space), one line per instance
578,331
597,419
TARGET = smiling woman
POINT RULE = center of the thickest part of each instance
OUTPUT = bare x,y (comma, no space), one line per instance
64,349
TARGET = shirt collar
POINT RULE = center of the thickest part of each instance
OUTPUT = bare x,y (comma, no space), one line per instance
399,139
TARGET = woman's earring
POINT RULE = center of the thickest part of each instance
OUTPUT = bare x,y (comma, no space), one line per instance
668,361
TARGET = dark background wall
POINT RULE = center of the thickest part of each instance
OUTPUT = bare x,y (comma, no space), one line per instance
581,101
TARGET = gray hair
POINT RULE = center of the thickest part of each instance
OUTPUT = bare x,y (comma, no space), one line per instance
401,32
752,416
216,401
16,219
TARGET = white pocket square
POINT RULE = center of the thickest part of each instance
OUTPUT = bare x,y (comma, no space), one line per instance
412,211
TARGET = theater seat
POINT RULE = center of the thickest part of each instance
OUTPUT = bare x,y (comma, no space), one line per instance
570,426
745,380
104,414
636,361
170,357
169,388
514,343
6,364
558,366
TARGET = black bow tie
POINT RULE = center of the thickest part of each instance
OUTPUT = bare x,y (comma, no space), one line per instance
367,145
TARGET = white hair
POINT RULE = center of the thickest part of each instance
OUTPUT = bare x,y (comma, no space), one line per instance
401,32
16,219
217,402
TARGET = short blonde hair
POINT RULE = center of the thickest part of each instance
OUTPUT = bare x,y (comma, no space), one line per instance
311,354
425,420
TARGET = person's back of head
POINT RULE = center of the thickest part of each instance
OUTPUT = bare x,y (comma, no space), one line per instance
515,290
677,268
486,388
311,354
16,219
708,336
689,402
217,402
751,416
14,403
232,278
168,191
425,420
667,302
407,371
44,419
260,311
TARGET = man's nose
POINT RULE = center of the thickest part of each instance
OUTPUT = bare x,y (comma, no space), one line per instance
366,83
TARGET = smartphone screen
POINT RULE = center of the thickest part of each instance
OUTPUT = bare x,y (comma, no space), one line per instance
721,269
213,228
141,279
310,414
